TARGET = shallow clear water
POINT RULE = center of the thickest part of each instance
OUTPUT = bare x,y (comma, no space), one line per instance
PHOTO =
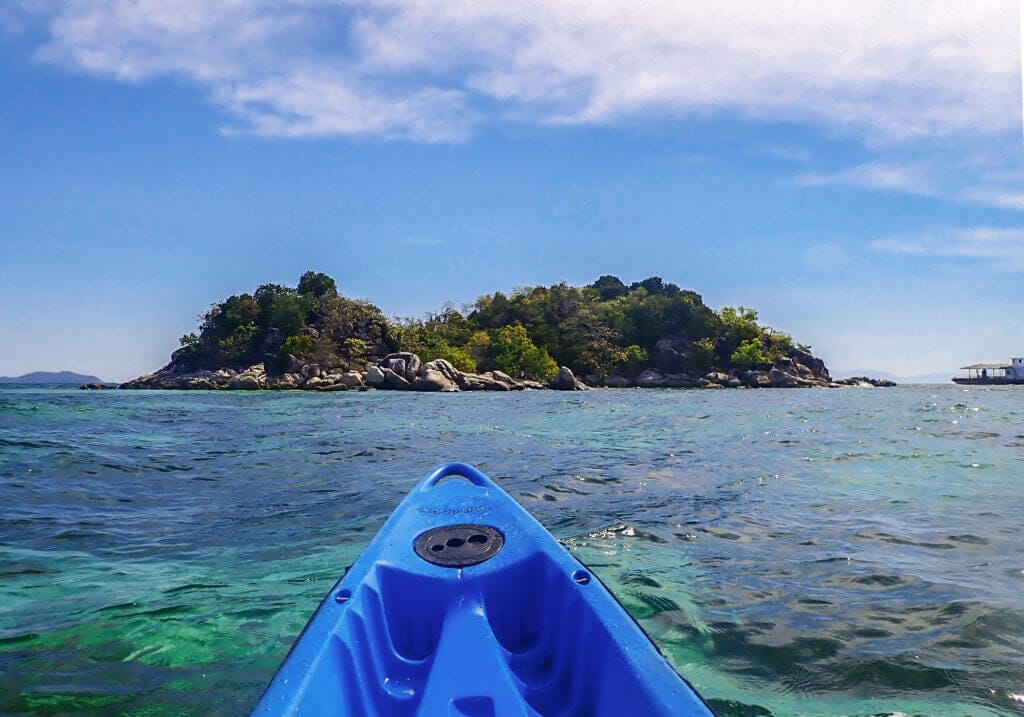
801,552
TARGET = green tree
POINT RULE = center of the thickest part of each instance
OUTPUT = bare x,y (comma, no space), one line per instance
703,354
317,285
750,354
514,353
779,345
287,312
738,325
238,347
298,346
653,285
240,310
479,349
343,319
631,359
427,340
609,287
356,352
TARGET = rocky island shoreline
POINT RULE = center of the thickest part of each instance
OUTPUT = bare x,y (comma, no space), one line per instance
405,371
605,335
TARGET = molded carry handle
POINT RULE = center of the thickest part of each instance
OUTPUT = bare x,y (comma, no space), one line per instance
462,470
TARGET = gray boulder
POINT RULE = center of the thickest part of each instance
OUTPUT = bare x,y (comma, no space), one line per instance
272,341
651,378
432,378
672,353
403,363
394,364
251,379
864,382
564,381
815,365
781,379
480,382
504,378
395,382
412,367
285,382
351,379
755,379
244,382
446,367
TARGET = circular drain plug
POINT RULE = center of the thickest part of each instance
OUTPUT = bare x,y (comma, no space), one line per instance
459,546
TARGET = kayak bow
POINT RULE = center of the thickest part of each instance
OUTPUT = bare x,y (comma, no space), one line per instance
464,605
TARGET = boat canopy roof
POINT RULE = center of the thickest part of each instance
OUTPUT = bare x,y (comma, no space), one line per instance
986,365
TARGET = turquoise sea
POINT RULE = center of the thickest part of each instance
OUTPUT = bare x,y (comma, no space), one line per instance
793,552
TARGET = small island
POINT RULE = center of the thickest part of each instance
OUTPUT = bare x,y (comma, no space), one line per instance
648,334
51,377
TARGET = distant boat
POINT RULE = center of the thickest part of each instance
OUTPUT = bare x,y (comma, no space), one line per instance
992,374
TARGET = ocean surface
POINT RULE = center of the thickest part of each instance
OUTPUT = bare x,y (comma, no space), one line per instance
793,552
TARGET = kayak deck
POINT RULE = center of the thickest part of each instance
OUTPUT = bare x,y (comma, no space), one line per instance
464,605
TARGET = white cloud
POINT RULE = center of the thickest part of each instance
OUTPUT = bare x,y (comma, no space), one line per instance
877,69
999,197
1003,247
906,178
957,179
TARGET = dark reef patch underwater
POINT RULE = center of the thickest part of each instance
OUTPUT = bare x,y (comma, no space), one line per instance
810,552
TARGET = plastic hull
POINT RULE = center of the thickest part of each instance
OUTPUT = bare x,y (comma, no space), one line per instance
525,631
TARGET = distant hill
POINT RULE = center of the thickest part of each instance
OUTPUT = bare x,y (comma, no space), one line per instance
51,377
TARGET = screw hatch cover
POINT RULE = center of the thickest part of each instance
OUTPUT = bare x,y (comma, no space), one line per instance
459,545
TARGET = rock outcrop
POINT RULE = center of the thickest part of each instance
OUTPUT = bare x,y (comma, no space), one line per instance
351,379
566,381
864,382
652,378
437,375
406,371
672,353
394,380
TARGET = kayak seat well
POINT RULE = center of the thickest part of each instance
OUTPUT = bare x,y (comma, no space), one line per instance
516,622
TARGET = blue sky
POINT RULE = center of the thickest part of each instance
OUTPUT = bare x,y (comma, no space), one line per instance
856,174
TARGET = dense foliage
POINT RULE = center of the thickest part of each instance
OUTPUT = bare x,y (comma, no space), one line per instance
602,329
311,323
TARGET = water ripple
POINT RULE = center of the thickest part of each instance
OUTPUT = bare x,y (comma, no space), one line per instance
792,552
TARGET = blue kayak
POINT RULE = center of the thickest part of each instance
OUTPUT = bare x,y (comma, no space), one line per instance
463,605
